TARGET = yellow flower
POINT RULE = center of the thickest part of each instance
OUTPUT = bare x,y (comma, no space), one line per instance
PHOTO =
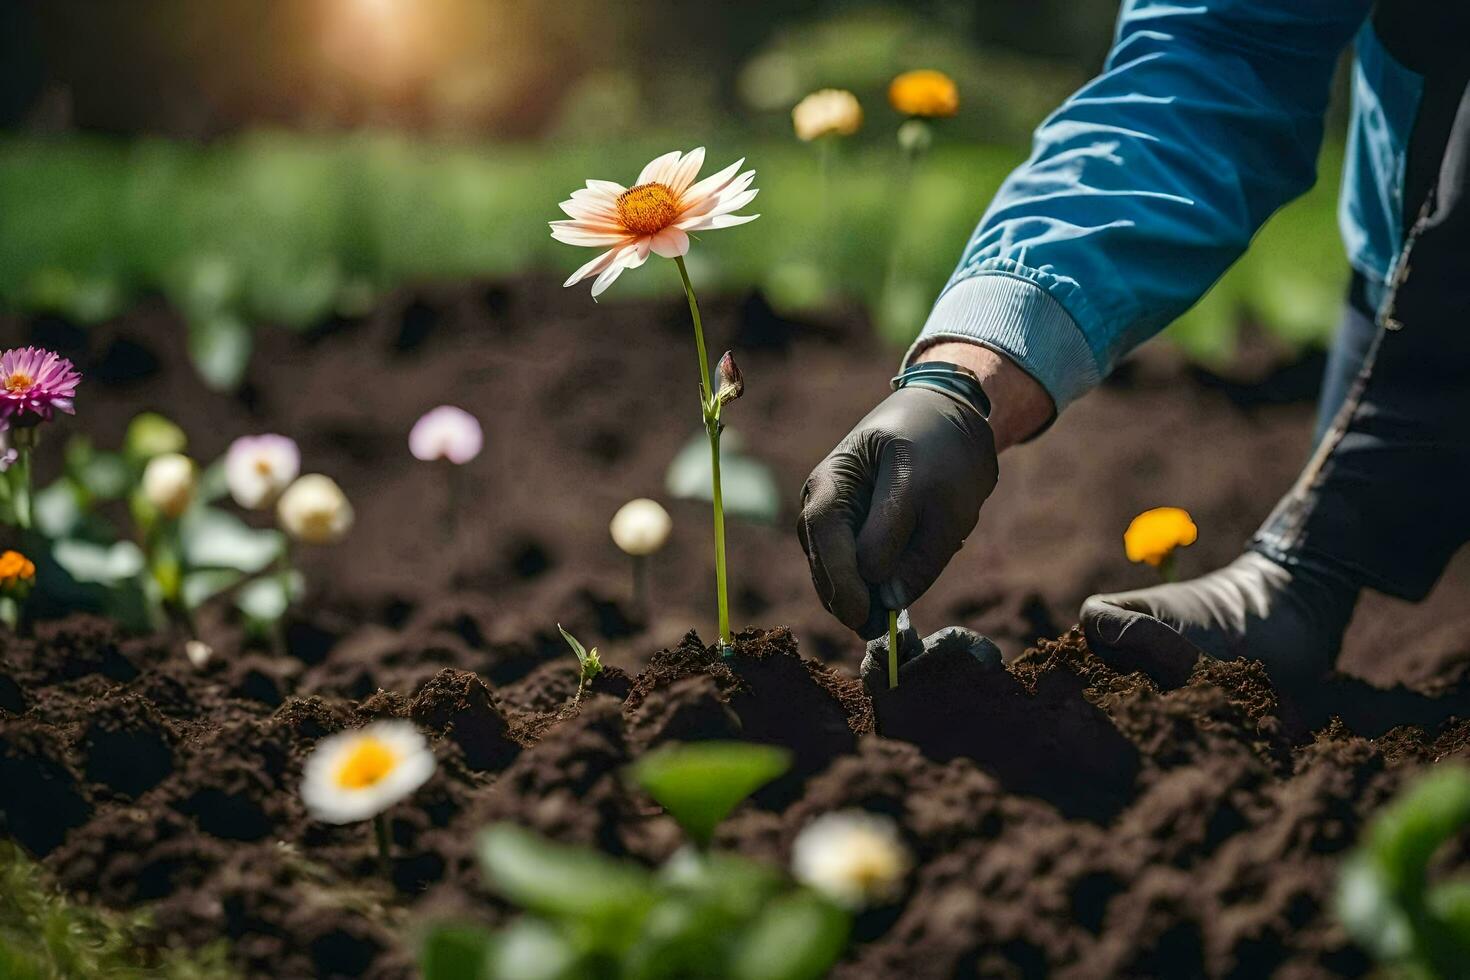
829,112
1153,535
17,574
924,92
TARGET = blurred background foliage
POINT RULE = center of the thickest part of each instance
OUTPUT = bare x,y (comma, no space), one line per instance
281,160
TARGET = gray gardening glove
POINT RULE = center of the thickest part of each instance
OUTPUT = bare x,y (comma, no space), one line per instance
874,670
1291,619
883,514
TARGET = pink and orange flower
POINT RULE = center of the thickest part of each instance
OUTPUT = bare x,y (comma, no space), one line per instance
35,384
655,215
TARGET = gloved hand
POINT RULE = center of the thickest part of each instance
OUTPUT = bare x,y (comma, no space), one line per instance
1291,619
956,639
883,514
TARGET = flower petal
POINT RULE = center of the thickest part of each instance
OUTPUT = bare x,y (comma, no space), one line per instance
579,233
606,188
670,243
592,268
686,171
712,184
715,221
659,168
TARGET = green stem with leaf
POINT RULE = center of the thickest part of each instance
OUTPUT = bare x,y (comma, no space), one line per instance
893,648
710,405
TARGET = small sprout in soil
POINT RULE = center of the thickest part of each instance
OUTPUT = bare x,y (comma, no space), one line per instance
314,510
449,437
657,215
1153,536
588,663
17,578
258,469
358,775
641,528
854,858
35,384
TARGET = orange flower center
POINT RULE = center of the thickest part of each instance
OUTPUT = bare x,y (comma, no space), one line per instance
648,208
263,466
366,765
19,382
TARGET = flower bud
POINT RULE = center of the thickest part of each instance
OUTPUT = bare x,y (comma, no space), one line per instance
315,510
915,137
732,382
168,483
641,527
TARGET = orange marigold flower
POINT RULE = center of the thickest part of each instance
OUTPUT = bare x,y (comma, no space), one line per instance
924,92
1153,535
17,573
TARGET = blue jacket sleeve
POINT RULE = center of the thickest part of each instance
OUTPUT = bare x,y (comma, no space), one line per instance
1147,184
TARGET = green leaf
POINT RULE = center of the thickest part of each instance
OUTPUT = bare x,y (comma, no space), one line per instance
87,561
575,644
1369,909
56,510
455,952
106,476
214,538
201,586
150,434
266,599
747,485
797,937
699,783
1449,903
529,950
565,882
739,886
219,345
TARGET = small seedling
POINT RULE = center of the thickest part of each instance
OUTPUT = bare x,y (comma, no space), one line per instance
588,663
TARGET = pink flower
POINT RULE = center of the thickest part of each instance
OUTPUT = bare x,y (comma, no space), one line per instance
35,382
655,215
448,433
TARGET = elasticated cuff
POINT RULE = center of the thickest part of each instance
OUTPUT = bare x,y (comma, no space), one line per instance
1019,319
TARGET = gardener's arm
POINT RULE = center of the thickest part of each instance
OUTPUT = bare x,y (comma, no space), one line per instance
1140,191
1147,184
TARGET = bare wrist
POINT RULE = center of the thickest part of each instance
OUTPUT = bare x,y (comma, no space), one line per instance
1019,404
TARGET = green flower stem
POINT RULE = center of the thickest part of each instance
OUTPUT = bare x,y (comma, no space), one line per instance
385,854
711,410
892,648
20,487
10,613
1168,568
640,584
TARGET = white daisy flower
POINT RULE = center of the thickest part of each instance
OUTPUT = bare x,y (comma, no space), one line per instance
655,215
357,775
259,468
853,857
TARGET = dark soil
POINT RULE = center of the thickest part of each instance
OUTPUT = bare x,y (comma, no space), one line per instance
1066,819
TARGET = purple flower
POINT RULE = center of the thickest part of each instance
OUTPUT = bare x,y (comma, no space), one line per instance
448,433
35,382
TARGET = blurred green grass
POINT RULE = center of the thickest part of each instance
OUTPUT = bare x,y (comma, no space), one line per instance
287,229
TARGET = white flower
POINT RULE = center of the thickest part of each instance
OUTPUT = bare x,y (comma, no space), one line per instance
655,215
358,774
829,112
854,858
315,510
259,468
168,483
448,433
641,527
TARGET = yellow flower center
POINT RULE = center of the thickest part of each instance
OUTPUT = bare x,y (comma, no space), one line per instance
369,762
19,382
263,466
647,208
